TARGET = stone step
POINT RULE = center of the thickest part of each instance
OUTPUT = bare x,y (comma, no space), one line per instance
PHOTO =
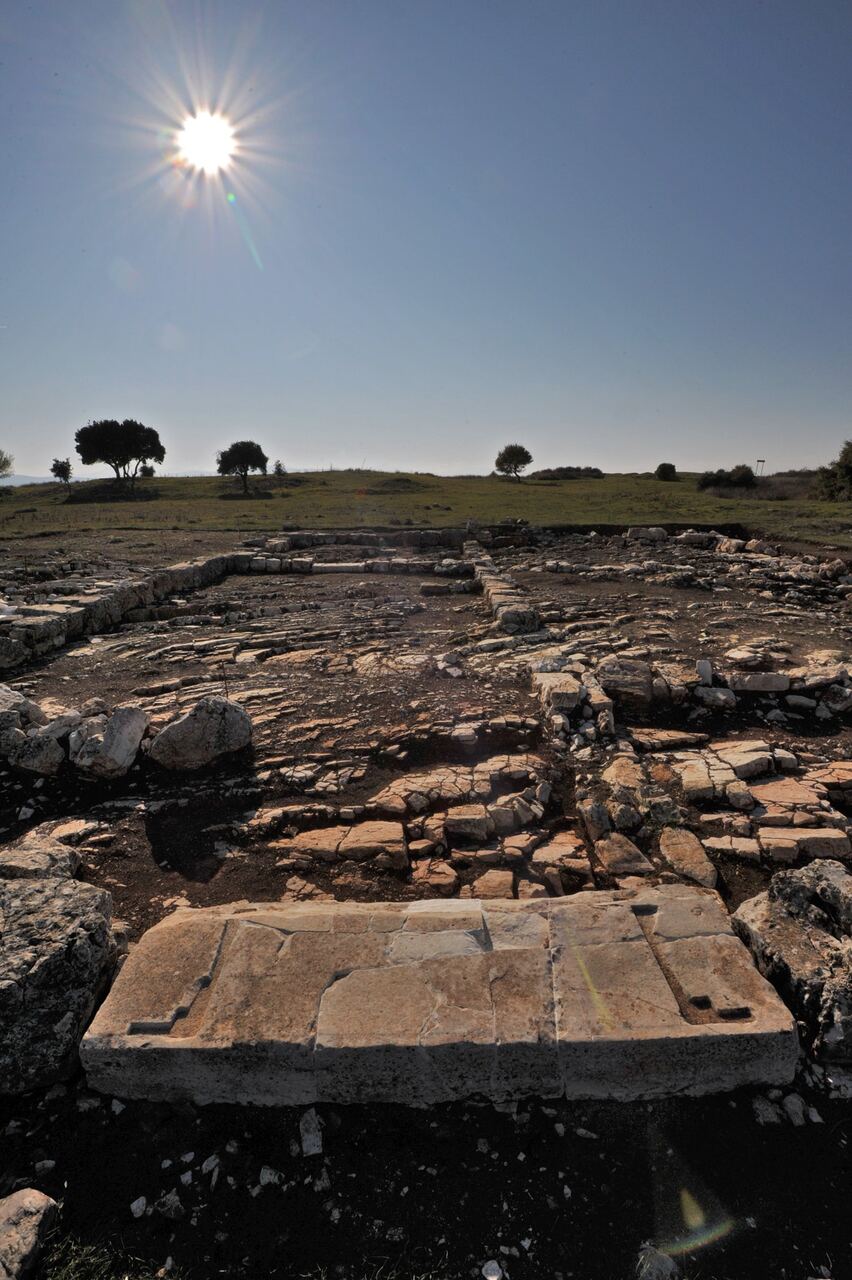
613,994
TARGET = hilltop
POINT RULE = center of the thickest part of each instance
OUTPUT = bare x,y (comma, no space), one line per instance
354,498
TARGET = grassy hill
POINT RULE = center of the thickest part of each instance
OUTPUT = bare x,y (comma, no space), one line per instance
356,498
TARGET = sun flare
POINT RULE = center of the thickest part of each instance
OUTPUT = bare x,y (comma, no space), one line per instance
205,142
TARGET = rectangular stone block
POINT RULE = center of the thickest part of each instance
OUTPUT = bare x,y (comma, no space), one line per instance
622,994
557,690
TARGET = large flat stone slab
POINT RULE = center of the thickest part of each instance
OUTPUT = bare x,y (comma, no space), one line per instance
622,994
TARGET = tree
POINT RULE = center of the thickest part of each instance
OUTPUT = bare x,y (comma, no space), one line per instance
7,465
125,446
279,469
666,471
512,459
835,480
146,471
60,469
240,458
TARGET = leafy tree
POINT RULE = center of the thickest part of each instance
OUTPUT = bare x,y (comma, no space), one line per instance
835,480
125,446
279,469
666,471
7,465
60,469
146,471
240,458
512,459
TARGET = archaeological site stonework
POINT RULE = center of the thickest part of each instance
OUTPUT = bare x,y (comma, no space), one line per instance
424,817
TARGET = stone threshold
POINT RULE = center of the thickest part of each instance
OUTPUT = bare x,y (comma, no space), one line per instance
622,994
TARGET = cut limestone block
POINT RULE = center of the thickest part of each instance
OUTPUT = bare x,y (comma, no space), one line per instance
557,690
622,994
785,844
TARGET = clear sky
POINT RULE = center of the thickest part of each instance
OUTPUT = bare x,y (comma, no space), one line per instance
617,232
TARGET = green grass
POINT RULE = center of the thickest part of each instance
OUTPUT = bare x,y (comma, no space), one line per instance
70,1259
362,498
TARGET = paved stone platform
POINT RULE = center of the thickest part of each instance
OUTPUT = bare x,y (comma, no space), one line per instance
612,994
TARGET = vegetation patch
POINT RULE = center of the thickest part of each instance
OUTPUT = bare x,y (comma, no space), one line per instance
107,491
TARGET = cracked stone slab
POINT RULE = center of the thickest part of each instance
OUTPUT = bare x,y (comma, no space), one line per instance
625,994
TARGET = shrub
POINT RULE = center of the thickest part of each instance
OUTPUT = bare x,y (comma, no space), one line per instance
666,471
568,473
739,477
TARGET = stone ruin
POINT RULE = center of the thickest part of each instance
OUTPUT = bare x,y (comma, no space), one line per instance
530,811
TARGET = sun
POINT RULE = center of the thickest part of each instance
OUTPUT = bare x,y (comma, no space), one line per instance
206,142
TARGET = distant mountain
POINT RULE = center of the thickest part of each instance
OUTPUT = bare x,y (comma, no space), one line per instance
26,479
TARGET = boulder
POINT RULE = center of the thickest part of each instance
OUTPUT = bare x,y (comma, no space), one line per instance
627,679
35,752
799,932
38,855
214,727
28,711
106,748
26,1217
57,953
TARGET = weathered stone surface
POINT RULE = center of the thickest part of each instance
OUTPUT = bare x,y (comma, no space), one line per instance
759,682
26,1217
454,784
56,955
494,884
213,728
625,773
430,1001
468,822
619,856
38,854
685,854
358,843
789,843
627,679
799,932
558,690
106,748
35,751
666,739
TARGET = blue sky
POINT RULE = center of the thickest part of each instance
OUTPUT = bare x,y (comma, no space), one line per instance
616,232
